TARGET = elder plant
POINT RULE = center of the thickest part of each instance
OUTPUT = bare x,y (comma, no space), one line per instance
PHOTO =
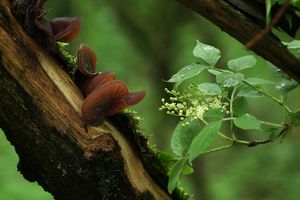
204,109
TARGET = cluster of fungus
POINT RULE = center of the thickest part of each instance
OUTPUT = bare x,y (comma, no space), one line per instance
104,95
62,29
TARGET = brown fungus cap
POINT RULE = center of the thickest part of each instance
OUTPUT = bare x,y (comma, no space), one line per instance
86,61
65,29
97,81
108,99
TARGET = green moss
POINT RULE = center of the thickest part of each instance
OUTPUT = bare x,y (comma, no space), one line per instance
68,59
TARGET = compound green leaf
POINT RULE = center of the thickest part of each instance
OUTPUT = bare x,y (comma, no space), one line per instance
204,140
242,63
187,72
183,136
227,79
210,88
208,53
247,122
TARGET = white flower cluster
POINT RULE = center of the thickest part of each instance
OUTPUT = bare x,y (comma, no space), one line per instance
191,103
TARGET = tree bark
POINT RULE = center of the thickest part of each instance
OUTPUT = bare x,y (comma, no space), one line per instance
40,115
241,27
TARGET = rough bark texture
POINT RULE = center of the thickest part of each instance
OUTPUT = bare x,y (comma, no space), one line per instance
233,21
40,115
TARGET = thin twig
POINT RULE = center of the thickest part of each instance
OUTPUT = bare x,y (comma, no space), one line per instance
268,28
255,142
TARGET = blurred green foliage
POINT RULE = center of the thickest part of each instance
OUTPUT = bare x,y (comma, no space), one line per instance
145,42
12,185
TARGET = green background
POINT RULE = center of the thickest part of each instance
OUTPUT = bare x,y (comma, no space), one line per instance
145,42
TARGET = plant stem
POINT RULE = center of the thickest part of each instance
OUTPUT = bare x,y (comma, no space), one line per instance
270,96
218,149
231,110
270,124
242,142
225,136
262,122
219,133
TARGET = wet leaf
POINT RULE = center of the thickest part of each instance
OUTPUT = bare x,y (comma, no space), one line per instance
208,53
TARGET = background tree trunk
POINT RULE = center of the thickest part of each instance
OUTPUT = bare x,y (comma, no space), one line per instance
234,21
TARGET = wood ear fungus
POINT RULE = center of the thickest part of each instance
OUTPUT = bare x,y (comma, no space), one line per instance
63,29
86,61
92,83
134,98
105,96
106,100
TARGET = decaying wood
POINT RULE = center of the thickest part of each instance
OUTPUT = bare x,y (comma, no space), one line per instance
40,115
234,22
